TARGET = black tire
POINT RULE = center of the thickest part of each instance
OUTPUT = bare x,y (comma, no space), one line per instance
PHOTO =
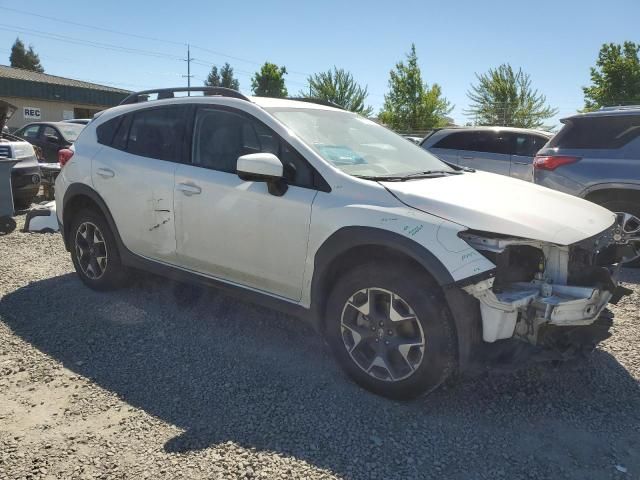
421,294
113,275
621,205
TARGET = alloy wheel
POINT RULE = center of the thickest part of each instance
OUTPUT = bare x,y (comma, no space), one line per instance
382,334
91,250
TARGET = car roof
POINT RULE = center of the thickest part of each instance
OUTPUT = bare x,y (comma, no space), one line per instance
495,129
607,112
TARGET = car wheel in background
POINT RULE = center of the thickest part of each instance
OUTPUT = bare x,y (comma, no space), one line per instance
628,215
94,252
390,330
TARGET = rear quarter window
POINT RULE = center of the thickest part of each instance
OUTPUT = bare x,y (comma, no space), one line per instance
606,133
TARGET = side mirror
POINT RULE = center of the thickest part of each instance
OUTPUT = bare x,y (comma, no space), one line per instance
263,167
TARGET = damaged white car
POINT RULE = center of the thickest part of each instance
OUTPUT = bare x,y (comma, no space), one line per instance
410,268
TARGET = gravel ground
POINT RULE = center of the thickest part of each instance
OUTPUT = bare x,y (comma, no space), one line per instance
145,383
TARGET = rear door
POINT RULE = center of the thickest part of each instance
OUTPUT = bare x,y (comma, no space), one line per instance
134,174
486,150
524,147
50,141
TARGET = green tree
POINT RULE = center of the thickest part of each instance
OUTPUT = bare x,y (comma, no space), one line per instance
339,87
269,81
22,58
505,97
615,80
223,78
411,104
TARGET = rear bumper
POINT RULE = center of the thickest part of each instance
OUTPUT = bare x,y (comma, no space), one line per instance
25,181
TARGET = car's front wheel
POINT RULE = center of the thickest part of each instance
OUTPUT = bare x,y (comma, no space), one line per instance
390,330
94,252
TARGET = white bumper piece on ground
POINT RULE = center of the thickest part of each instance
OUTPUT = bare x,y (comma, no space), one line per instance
42,218
535,303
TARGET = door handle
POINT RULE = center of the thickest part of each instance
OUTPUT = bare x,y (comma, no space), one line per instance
467,158
105,173
189,189
522,163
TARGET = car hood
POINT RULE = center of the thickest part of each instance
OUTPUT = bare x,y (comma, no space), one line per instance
495,203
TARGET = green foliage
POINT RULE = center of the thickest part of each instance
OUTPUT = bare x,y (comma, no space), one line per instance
412,105
339,87
504,97
269,81
615,80
224,78
22,58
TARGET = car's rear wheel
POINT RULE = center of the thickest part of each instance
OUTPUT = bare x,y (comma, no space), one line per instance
390,330
94,252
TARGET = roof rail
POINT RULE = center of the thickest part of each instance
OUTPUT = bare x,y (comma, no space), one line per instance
621,107
319,101
169,93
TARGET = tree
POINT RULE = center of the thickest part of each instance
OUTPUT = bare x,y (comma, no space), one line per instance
223,78
269,81
22,58
505,97
339,87
615,80
411,104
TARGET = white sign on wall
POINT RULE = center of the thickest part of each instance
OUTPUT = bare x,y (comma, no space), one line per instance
67,114
31,113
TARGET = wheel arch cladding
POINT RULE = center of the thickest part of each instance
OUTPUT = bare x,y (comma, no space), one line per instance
609,193
350,246
78,196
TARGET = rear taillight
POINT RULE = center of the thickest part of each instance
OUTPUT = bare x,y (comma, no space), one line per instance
64,155
551,162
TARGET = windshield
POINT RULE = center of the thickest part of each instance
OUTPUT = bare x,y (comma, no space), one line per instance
70,131
356,145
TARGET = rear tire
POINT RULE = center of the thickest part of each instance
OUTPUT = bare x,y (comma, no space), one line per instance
94,252
390,330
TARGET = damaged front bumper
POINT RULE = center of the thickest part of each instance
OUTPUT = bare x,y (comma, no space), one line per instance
539,287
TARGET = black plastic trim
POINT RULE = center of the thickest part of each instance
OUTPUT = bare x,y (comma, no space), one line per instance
164,93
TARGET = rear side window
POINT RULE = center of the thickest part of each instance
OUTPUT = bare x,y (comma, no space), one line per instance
107,130
607,132
476,141
528,145
158,133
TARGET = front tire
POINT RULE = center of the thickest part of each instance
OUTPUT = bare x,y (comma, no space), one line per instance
94,252
390,330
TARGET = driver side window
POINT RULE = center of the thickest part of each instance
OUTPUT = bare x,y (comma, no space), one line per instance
221,136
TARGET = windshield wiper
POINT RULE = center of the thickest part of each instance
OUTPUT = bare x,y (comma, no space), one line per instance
409,176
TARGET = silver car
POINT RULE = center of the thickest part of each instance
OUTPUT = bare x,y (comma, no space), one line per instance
504,150
596,156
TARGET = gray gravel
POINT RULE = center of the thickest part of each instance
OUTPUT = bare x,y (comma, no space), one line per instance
148,383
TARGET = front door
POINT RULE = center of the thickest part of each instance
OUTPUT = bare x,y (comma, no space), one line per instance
235,230
134,174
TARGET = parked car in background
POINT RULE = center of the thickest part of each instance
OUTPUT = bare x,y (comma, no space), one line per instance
50,136
413,138
25,175
80,121
409,267
596,156
504,150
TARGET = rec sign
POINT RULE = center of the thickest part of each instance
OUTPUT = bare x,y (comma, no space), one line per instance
31,113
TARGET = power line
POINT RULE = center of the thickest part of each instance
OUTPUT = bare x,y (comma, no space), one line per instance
108,30
77,41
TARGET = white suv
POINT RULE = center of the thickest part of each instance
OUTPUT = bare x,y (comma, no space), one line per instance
411,268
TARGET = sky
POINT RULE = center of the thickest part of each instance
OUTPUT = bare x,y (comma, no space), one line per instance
139,45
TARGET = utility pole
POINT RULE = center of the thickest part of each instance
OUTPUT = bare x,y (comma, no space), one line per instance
188,75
